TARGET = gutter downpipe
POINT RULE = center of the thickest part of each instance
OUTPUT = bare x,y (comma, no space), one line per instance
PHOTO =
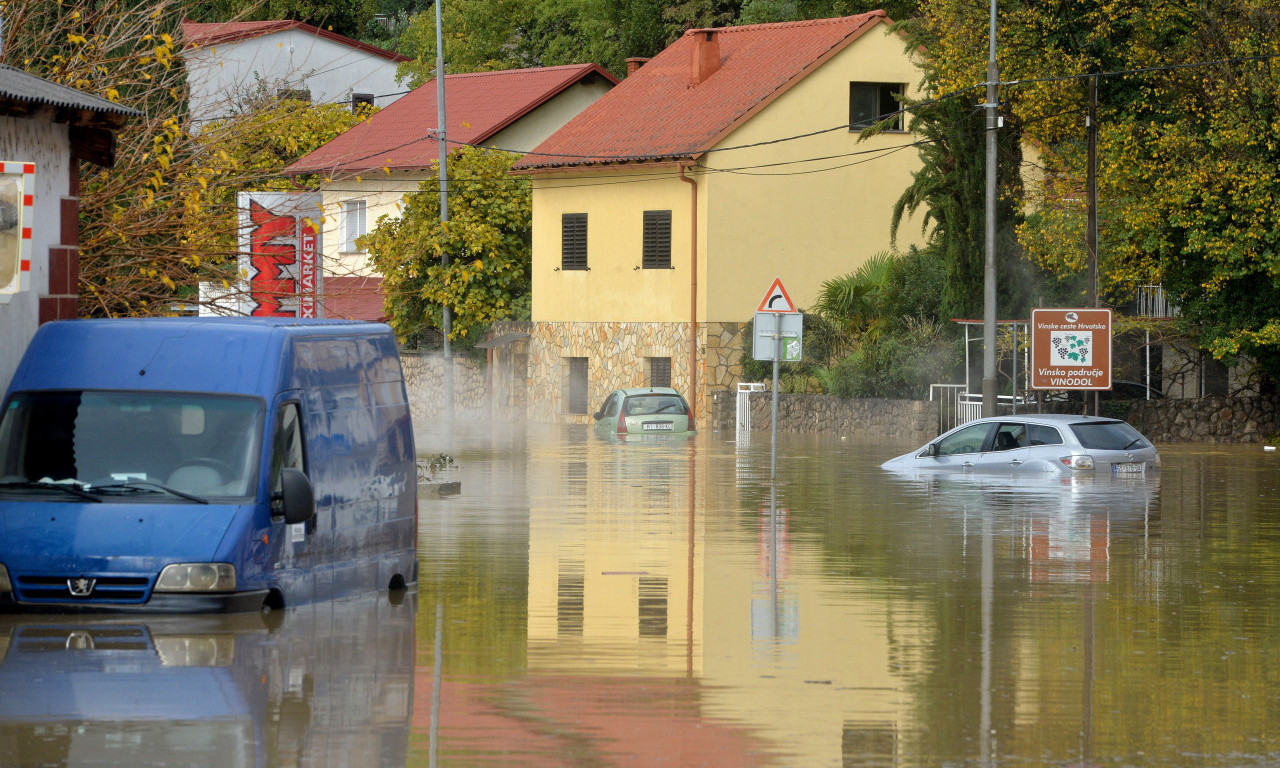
693,292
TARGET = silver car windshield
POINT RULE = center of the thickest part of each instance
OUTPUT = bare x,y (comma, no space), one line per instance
199,444
1109,436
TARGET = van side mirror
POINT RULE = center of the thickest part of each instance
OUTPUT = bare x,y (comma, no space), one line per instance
930,450
598,415
297,498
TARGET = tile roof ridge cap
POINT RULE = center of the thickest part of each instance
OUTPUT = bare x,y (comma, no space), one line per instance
879,12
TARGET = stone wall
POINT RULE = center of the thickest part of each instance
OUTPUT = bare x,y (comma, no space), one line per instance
1198,420
1203,420
424,380
910,420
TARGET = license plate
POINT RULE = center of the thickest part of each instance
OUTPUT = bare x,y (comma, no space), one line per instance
657,426
1130,467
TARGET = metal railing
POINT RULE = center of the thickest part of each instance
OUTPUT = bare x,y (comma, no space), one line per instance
1152,302
956,406
743,431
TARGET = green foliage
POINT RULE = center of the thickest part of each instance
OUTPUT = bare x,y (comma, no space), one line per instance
852,300
913,286
901,364
488,239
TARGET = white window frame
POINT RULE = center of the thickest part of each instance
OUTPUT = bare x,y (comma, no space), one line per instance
354,220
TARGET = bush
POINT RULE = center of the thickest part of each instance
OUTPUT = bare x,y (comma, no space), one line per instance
899,363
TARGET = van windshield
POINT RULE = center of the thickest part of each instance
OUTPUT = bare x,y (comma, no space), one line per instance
199,444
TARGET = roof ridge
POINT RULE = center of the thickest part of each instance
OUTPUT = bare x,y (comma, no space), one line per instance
771,25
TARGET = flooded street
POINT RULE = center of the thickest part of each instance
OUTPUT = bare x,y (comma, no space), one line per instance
584,602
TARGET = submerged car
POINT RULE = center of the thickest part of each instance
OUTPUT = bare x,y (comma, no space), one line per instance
1061,443
645,411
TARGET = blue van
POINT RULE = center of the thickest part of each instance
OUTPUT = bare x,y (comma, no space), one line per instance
205,465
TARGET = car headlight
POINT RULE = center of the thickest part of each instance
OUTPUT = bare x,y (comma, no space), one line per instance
5,584
197,577
1077,462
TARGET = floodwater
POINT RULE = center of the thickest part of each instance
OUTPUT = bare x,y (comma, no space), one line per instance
584,602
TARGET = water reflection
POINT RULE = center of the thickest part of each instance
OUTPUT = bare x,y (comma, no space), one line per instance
657,603
325,684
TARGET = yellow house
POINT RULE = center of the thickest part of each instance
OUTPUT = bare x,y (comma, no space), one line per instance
664,211
370,169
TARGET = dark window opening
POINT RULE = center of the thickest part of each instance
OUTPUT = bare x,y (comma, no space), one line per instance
869,103
573,241
295,94
359,100
659,371
576,386
657,240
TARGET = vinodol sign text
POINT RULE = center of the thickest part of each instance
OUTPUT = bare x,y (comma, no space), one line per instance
1071,349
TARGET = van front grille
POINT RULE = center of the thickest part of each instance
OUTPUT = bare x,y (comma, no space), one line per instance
115,589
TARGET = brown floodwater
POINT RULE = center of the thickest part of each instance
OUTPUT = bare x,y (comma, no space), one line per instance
585,602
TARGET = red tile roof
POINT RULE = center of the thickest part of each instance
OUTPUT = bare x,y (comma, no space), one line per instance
478,105
202,34
656,113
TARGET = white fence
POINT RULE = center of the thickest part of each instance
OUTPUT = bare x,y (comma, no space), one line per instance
745,389
956,406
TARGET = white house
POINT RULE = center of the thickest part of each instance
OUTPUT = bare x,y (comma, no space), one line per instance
45,130
286,58
369,169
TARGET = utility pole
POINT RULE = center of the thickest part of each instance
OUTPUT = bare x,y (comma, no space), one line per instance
989,381
447,324
1091,182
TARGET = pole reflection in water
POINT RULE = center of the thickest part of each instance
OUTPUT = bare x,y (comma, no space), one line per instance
326,684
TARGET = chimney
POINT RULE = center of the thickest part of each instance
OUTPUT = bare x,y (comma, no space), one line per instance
706,55
635,63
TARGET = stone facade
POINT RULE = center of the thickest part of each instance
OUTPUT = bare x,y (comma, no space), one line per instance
617,354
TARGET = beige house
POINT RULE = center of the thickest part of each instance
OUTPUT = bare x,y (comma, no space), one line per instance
663,212
370,169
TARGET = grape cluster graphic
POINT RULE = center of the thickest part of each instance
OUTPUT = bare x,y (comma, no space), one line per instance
1072,347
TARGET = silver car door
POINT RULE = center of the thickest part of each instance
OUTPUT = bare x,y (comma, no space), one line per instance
1009,449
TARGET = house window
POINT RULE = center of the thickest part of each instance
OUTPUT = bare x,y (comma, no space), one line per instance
296,94
359,100
871,102
353,223
657,240
573,241
659,371
575,390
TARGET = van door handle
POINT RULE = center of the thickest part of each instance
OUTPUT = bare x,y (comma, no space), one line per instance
967,464
1016,462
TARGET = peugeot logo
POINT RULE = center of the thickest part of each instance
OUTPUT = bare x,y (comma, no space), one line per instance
79,640
1128,456
81,587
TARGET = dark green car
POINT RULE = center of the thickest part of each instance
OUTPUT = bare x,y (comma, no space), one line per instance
644,411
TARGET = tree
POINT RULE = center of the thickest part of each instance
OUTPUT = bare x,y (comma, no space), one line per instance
488,238
163,218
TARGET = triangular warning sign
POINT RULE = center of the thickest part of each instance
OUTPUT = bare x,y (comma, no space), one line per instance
777,300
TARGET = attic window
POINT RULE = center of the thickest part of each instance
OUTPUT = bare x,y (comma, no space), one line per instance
294,94
869,103
359,100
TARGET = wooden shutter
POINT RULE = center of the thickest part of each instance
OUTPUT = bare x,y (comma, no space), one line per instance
573,241
657,240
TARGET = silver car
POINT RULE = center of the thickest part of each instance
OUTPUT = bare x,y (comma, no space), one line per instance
1059,443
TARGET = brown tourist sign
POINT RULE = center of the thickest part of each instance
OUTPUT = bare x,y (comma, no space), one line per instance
1071,349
